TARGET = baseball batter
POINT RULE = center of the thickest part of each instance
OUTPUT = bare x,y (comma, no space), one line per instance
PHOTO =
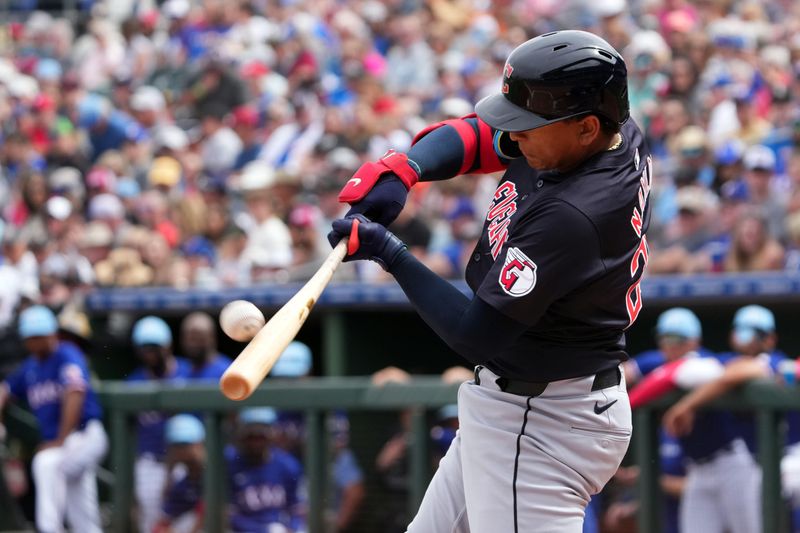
54,381
556,274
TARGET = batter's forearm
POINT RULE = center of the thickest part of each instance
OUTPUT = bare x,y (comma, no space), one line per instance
71,408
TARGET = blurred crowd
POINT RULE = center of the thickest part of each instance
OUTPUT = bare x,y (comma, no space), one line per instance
201,143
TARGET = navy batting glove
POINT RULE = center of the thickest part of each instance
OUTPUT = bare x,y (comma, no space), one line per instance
370,240
384,202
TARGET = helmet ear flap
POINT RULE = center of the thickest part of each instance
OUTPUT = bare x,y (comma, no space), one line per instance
504,146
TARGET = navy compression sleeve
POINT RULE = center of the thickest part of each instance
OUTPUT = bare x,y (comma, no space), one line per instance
471,327
440,154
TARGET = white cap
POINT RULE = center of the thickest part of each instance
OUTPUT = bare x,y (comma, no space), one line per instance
170,136
22,86
59,207
176,9
759,157
105,206
148,98
256,175
608,8
455,107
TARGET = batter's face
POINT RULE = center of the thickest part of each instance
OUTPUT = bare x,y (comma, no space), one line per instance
562,145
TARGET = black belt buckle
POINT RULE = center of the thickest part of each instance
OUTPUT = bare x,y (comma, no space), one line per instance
607,378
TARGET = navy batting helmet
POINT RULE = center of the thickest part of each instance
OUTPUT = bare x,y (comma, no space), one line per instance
558,75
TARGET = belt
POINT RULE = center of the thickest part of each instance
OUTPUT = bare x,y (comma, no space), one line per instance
716,454
610,377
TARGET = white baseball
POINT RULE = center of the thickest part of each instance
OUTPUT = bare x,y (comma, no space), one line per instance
241,320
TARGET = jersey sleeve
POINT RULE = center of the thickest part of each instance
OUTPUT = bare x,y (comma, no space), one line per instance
549,253
15,383
72,372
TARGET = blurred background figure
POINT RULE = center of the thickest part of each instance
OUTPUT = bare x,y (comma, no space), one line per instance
264,481
182,508
294,363
152,342
346,477
54,382
198,336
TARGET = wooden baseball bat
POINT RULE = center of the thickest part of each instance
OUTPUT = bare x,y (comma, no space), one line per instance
253,364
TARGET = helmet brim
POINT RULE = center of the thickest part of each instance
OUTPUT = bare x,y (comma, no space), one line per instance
499,113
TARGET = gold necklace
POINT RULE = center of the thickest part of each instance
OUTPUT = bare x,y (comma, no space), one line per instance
616,144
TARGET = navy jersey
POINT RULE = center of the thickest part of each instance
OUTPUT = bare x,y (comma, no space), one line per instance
713,430
42,384
264,494
564,254
150,431
746,420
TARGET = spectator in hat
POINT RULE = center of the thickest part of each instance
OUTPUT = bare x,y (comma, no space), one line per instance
687,236
692,155
164,174
728,165
54,381
244,121
263,480
753,129
759,163
152,342
198,335
108,209
220,145
108,129
148,106
68,182
291,143
269,243
752,247
182,509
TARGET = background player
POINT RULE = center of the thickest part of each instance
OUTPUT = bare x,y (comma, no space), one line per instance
152,342
678,332
556,280
198,336
54,381
723,494
263,480
182,511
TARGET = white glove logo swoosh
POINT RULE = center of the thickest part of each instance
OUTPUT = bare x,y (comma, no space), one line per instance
354,181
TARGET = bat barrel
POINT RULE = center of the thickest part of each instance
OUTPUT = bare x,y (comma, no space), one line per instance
256,360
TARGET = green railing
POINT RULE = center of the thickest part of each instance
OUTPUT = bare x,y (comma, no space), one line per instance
767,401
318,396
315,397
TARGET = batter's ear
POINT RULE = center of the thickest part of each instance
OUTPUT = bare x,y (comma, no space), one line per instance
590,130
